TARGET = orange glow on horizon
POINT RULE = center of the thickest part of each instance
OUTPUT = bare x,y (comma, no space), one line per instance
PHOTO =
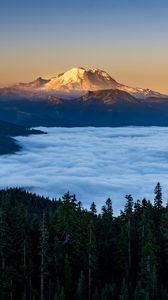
152,79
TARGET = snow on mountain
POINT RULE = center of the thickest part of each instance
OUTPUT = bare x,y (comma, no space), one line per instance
77,81
38,83
80,79
139,92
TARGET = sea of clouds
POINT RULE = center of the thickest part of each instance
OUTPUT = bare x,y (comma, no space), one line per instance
93,163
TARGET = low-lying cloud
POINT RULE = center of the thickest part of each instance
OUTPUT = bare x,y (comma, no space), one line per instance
93,163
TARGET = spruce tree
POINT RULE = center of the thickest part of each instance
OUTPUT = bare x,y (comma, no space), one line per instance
108,292
96,295
81,288
124,292
44,255
158,197
60,294
67,277
93,208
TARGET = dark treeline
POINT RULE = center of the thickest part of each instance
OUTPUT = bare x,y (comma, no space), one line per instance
57,250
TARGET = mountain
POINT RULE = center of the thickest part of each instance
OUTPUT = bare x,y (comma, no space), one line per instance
109,97
9,130
94,108
8,145
80,79
74,82
82,97
38,83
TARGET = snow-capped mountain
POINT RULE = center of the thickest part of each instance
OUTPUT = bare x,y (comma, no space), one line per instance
77,81
80,79
38,83
140,93
82,97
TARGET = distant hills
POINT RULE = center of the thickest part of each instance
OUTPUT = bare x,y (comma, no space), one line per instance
7,131
11,129
82,97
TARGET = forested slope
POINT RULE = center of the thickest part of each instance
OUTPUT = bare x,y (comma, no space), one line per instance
58,250
9,130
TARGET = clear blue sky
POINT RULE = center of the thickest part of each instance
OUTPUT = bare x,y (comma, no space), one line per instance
129,39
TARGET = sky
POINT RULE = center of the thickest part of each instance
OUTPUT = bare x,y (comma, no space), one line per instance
113,162
126,38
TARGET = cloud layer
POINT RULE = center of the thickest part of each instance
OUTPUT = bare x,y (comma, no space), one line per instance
93,163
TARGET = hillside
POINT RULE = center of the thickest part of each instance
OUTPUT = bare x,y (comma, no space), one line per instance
59,250
95,108
7,131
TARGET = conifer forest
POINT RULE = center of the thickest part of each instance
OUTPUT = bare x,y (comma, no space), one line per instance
58,250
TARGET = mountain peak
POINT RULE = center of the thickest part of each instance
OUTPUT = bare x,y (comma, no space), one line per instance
79,80
74,74
37,83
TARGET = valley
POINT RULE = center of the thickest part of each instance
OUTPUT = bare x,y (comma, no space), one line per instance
94,163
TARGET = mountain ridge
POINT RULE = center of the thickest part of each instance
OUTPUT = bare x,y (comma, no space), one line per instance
88,98
8,132
75,82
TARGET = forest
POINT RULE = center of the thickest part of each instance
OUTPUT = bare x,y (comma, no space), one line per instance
58,250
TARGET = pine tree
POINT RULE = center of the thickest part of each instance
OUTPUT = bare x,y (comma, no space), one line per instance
81,288
107,210
124,292
22,233
158,220
106,242
163,293
93,208
91,257
44,254
96,295
152,284
67,278
72,239
3,238
129,217
140,293
5,253
158,197
60,294
108,292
